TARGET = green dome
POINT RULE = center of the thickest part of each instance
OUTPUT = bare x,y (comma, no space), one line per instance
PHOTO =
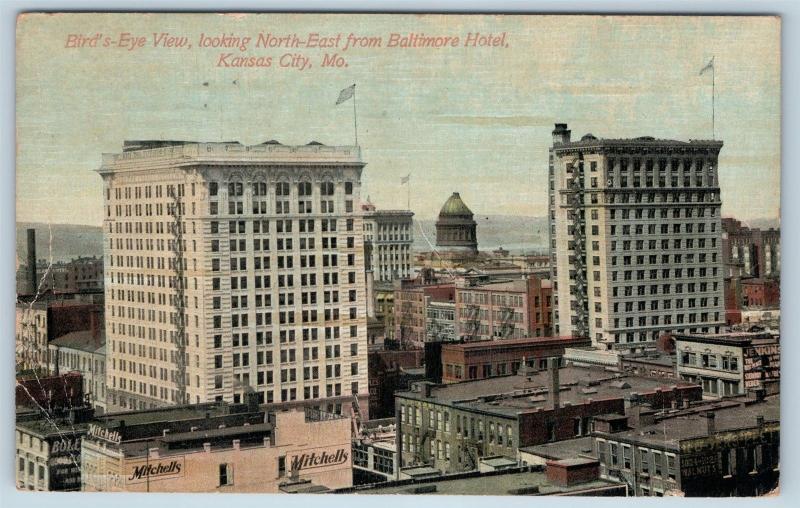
454,207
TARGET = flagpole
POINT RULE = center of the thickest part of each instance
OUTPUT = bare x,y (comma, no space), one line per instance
713,94
355,116
408,188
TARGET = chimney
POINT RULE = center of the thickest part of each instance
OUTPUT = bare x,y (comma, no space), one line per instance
711,423
95,322
33,282
555,385
561,134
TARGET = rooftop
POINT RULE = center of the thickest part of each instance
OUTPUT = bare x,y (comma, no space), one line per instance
692,423
519,481
511,395
658,358
82,340
560,450
528,341
454,206
158,154
730,338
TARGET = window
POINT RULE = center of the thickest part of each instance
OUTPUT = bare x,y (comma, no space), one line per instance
281,466
657,463
626,457
225,474
644,461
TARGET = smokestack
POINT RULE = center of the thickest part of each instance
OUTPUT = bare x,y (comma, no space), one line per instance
32,278
95,322
555,385
711,423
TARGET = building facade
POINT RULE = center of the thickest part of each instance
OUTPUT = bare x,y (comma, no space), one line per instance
504,310
756,251
635,238
84,352
451,427
489,358
733,451
231,268
48,317
730,363
48,448
391,234
456,230
411,297
440,320
216,448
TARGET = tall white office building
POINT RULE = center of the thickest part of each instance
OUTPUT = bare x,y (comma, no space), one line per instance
635,238
233,269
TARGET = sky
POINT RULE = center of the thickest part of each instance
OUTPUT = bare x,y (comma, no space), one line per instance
474,120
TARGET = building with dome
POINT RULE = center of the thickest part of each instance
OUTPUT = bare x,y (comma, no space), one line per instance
456,228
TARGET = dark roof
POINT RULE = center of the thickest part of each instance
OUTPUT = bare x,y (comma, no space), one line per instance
730,338
531,481
82,340
511,395
669,432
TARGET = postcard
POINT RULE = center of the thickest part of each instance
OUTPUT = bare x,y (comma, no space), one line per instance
525,255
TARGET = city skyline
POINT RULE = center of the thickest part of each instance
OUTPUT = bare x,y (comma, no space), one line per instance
413,254
497,114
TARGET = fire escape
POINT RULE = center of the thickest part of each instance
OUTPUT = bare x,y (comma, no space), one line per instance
357,417
179,301
472,323
405,325
506,325
577,216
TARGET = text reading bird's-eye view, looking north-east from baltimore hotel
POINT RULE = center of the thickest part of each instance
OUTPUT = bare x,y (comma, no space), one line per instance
398,254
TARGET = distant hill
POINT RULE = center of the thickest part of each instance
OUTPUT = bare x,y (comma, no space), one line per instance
516,233
512,232
69,241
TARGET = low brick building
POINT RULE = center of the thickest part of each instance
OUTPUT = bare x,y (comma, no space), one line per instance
48,448
761,293
217,447
411,297
450,427
505,310
728,364
731,449
488,358
386,375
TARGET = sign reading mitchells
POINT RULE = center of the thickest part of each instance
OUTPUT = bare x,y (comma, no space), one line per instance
98,432
318,458
155,469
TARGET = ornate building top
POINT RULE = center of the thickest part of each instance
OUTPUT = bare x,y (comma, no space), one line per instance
456,229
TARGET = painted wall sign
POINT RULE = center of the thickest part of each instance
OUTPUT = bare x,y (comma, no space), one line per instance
105,434
311,459
155,469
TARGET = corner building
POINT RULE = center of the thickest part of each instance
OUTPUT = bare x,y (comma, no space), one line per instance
231,269
635,238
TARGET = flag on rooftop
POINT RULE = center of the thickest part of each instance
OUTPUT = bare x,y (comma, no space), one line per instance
345,94
709,65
